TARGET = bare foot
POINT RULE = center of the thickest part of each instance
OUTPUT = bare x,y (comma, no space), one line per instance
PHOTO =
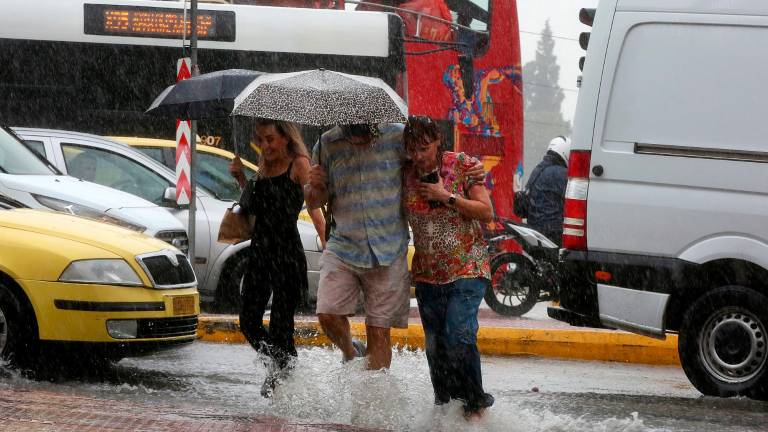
474,416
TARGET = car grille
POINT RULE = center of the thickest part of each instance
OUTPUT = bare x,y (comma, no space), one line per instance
165,273
177,239
166,327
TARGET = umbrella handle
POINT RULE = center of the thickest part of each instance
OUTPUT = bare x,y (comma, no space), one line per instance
319,145
235,147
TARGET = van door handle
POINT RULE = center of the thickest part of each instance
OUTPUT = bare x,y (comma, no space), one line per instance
598,170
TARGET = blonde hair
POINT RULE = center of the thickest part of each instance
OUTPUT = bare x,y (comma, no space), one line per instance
296,147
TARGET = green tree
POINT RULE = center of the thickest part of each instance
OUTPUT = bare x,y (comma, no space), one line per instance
542,99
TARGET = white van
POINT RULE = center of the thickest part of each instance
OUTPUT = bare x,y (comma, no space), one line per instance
666,213
31,180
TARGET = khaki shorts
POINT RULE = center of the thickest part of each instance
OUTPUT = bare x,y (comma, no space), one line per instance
386,291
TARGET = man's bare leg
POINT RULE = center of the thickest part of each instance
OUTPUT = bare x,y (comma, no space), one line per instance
379,350
336,327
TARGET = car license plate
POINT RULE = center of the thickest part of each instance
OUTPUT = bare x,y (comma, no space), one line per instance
184,305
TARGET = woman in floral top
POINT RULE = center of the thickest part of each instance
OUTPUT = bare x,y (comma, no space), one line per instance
450,266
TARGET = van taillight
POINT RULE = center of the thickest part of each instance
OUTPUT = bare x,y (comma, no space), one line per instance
575,211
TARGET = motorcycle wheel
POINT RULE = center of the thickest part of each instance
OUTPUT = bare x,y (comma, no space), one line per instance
513,290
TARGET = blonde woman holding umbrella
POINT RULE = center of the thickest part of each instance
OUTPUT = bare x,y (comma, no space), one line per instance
278,265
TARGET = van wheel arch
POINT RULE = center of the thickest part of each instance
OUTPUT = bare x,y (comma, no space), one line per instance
21,321
710,276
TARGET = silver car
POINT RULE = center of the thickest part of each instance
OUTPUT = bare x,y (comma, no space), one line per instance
219,267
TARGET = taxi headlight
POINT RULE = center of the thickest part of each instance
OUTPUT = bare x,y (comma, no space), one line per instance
101,271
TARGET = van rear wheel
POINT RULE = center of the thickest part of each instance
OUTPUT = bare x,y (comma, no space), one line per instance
723,344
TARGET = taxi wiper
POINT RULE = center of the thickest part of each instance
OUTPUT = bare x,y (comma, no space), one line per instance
5,199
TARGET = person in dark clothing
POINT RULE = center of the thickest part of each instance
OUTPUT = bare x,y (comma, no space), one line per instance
277,267
546,190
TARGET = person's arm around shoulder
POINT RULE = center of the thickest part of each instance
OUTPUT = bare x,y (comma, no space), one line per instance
476,203
300,175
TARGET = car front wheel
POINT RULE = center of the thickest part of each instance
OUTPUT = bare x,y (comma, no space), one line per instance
17,338
723,344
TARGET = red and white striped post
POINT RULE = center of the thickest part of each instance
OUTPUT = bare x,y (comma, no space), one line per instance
183,137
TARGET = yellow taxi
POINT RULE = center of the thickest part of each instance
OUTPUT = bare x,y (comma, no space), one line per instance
97,290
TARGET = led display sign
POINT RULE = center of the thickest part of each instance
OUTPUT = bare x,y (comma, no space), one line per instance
167,23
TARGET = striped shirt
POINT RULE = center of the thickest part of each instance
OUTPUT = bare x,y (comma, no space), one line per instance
365,185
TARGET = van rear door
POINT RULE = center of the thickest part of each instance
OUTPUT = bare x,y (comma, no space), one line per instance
680,132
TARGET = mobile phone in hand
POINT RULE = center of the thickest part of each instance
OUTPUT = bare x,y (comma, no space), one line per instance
431,178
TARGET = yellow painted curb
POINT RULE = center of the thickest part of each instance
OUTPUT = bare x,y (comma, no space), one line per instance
582,344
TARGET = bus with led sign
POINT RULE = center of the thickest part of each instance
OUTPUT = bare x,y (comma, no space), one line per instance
171,23
96,65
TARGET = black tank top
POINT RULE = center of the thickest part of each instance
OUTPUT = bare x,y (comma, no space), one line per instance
276,203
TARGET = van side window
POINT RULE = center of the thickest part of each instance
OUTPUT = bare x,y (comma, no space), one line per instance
686,85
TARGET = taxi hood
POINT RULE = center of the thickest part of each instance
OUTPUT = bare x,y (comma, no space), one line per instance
120,241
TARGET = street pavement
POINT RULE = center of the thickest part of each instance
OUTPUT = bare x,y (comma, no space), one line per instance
216,387
43,411
532,334
36,409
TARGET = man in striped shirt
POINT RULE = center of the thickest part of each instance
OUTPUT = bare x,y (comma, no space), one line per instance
358,171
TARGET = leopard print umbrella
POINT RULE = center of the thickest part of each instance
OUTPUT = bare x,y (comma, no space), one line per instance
321,98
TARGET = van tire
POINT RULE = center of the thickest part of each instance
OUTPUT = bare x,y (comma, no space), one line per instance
723,343
18,337
522,279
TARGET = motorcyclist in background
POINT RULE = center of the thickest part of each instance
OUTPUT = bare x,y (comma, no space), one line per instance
546,190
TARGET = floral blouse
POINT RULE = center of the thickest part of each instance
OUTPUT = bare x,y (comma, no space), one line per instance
448,245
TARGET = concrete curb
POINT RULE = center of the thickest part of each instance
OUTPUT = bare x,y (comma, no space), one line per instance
579,344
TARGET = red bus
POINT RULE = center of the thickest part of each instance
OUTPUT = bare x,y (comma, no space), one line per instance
487,122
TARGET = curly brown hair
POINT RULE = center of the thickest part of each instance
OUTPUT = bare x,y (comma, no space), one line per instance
420,129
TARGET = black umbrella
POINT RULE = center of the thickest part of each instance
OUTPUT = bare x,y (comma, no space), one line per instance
206,96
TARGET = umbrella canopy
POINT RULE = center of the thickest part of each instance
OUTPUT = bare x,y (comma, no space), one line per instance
205,96
321,98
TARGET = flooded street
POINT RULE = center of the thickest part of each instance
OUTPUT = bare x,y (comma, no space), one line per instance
571,396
